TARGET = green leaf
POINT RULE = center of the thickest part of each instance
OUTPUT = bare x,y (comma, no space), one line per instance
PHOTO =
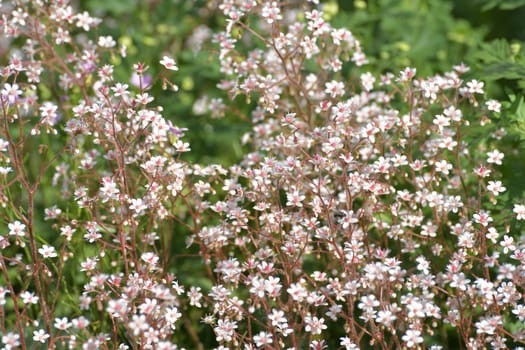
511,4
503,70
502,4
500,60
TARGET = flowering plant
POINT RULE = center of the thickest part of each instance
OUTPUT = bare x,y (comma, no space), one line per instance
365,214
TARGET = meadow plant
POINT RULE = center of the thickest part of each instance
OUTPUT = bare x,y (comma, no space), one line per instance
364,216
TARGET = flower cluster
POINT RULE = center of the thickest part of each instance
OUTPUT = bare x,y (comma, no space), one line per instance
364,215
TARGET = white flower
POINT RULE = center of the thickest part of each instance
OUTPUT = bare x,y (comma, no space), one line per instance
412,337
495,187
138,324
11,92
16,229
493,105
271,12
29,297
168,63
40,336
62,323
475,87
106,41
519,210
11,340
495,157
367,81
150,258
314,325
262,339
48,251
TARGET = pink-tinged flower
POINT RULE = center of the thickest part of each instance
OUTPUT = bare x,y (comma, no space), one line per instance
461,68
109,190
482,171
443,167
89,264
519,311
225,330
257,286
150,258
137,206
342,35
149,306
319,276
430,89
144,99
120,90
475,87
493,105
367,81
492,234
297,292
11,340
181,146
348,344
169,63
80,322
262,339
17,229
271,12
335,88
483,218
49,114
11,92
496,187
67,231
385,317
407,74
172,315
195,296
314,325
359,58
495,157
40,336
84,301
48,251
138,324
29,297
519,210
453,113
117,308
272,286
62,323
412,337
4,242
295,198
84,20
52,213
441,121
507,244
368,302
488,325
4,170
61,36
